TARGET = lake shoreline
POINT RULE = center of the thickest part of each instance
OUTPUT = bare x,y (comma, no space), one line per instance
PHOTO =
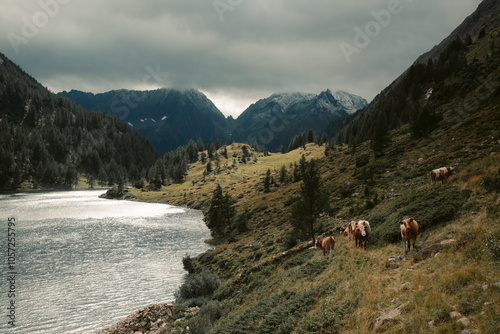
86,240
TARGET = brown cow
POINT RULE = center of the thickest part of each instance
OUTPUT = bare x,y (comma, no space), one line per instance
326,244
350,229
361,232
441,174
344,230
409,232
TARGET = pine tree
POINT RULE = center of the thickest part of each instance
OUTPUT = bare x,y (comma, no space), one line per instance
380,136
267,181
192,151
220,213
199,144
283,175
312,202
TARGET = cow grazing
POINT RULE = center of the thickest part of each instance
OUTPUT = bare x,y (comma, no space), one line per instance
366,224
326,244
350,229
345,231
361,232
441,174
409,232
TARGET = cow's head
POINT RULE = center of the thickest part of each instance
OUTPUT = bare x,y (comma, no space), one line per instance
318,243
402,224
362,229
451,170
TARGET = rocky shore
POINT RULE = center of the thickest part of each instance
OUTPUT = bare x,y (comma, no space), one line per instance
151,319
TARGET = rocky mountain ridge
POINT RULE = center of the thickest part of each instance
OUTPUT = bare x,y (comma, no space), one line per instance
169,118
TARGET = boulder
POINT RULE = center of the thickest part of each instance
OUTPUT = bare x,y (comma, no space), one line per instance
387,316
393,262
455,314
469,331
464,321
427,252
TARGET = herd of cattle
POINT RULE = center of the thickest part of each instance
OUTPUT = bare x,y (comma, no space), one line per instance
360,230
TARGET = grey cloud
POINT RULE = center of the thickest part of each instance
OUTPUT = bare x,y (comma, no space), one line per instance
258,48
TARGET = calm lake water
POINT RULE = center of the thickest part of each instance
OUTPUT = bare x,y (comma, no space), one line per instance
82,263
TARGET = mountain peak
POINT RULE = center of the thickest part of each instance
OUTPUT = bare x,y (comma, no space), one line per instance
350,102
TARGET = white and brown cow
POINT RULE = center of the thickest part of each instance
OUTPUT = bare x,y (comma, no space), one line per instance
326,244
361,232
441,174
409,232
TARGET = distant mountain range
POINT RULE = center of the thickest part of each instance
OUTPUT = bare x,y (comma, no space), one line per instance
275,120
169,118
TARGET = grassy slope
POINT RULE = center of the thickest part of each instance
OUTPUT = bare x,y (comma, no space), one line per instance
267,288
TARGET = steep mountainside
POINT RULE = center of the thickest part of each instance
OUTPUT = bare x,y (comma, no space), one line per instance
466,69
273,121
46,140
263,278
485,17
168,118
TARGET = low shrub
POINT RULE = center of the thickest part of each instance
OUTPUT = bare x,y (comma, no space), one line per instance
332,318
225,291
362,160
198,285
298,259
428,208
491,246
188,264
289,241
277,313
208,314
491,181
312,268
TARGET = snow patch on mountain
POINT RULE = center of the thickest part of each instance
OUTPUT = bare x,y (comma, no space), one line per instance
350,102
287,99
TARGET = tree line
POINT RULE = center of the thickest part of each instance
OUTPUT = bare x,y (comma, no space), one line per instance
48,141
411,99
222,219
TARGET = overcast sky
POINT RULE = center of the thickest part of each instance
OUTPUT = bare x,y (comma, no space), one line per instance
234,51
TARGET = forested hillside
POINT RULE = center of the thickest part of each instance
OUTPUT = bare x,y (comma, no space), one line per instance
266,276
168,118
414,97
47,141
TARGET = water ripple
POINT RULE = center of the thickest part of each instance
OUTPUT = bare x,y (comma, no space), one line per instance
84,263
